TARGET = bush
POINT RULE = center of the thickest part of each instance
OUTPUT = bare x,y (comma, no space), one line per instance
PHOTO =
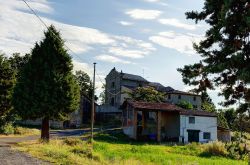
26,131
215,148
7,129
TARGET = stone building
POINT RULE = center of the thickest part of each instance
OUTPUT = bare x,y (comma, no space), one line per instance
118,84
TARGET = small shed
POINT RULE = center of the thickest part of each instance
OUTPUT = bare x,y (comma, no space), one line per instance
224,134
167,122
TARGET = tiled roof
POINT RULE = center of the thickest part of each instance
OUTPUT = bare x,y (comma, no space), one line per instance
133,77
168,107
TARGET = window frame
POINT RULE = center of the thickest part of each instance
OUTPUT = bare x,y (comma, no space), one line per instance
179,97
207,135
189,121
113,84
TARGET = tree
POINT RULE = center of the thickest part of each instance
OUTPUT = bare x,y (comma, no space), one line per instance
147,94
225,51
209,107
230,115
7,82
46,87
84,83
17,62
222,120
102,95
185,104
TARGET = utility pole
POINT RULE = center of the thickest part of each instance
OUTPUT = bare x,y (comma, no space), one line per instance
93,106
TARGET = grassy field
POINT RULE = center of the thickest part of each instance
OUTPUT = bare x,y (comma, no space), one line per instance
108,149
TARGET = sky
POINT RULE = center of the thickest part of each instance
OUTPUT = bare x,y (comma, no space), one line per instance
151,38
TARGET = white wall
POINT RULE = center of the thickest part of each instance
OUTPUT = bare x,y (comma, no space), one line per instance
202,123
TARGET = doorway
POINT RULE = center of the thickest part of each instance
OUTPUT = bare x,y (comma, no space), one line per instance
193,135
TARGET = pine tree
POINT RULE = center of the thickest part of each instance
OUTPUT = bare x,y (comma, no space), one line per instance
46,87
225,51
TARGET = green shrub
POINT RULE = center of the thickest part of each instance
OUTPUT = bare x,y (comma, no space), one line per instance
215,148
7,129
237,150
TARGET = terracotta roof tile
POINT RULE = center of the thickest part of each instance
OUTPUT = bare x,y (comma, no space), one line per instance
168,107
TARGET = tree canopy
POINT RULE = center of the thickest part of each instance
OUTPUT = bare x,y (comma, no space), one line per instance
225,51
7,82
84,83
185,104
147,94
46,87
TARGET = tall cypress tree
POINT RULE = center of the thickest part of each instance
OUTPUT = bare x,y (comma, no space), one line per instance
46,87
225,51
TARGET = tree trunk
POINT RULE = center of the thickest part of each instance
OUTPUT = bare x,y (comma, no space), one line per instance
45,129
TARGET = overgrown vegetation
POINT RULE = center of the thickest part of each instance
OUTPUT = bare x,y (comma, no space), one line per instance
117,149
185,104
9,129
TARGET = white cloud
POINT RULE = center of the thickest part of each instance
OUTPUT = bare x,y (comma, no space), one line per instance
180,42
118,51
19,35
143,14
112,59
139,44
157,1
82,66
125,23
42,6
177,23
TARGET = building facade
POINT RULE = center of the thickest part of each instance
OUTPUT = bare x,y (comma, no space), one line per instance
119,84
168,122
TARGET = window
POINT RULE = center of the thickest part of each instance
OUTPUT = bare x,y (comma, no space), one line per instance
191,120
179,96
113,85
194,98
112,101
169,97
206,135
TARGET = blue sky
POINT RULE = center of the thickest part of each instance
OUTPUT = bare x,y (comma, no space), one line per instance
135,36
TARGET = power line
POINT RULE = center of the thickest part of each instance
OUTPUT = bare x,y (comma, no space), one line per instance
40,19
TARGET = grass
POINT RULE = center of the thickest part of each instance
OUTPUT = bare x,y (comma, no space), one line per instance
22,131
116,149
